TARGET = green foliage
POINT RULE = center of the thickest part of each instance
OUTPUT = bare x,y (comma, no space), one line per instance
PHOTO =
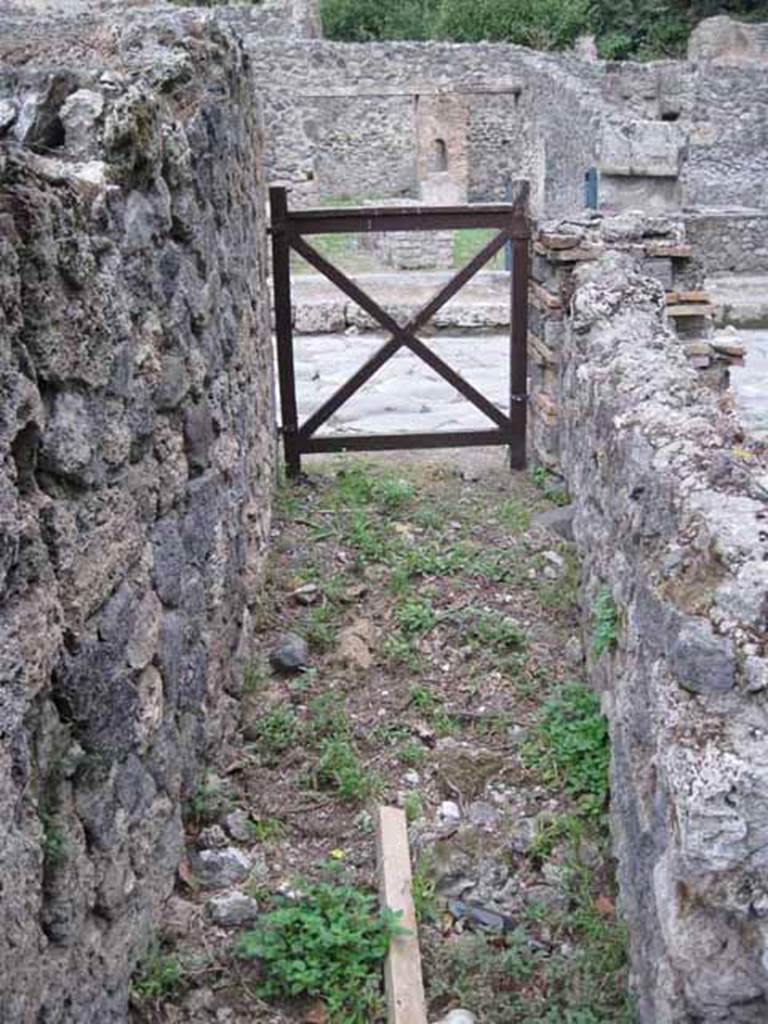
413,806
319,627
570,746
157,976
55,847
424,888
605,623
492,629
275,732
542,24
339,768
266,830
207,803
328,944
412,753
641,29
363,20
415,616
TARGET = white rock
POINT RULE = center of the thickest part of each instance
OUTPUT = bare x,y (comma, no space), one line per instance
448,813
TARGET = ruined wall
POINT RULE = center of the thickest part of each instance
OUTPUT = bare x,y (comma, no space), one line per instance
136,454
670,522
361,120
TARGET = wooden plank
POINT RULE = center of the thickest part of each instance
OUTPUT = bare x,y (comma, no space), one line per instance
402,971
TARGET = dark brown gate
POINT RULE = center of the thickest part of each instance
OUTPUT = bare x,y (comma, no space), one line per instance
288,229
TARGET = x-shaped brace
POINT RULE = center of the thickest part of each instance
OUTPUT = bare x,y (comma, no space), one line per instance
401,336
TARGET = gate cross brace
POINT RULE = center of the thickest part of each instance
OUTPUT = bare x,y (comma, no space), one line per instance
400,335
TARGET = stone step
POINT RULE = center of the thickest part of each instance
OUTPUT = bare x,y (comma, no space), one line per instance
740,299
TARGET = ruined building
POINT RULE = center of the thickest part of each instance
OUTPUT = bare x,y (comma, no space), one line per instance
137,441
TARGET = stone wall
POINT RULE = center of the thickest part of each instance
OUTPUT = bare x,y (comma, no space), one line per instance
365,120
670,525
136,463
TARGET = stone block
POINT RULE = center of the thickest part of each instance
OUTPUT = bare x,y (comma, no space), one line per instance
650,149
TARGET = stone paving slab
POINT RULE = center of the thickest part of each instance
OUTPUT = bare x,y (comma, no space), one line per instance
750,382
405,394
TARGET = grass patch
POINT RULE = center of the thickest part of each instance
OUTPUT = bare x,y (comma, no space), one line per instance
569,747
157,976
340,769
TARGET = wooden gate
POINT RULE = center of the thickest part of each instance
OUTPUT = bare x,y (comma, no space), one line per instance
288,229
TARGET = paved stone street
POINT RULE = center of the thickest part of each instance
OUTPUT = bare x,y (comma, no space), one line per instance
405,394
750,381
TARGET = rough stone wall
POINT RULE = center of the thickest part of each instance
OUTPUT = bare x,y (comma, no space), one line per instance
730,240
670,521
136,454
361,120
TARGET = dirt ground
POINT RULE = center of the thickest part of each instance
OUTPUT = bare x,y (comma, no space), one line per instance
444,675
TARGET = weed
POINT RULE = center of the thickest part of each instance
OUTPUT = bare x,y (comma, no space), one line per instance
319,627
328,718
157,976
55,847
550,830
398,650
255,674
492,629
421,697
514,515
549,484
339,768
415,616
266,830
444,723
393,493
207,803
605,623
275,732
412,754
329,943
423,889
413,806
570,746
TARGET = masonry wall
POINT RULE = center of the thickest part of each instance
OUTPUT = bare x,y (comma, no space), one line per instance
136,461
361,120
670,522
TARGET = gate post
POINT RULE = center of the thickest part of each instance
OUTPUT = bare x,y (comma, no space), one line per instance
281,278
518,371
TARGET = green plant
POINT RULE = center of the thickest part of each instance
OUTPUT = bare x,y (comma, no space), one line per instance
207,802
266,830
422,697
413,806
570,746
514,515
275,731
423,888
339,768
412,754
329,719
398,650
328,943
157,975
319,627
605,623
255,674
55,847
415,615
492,629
